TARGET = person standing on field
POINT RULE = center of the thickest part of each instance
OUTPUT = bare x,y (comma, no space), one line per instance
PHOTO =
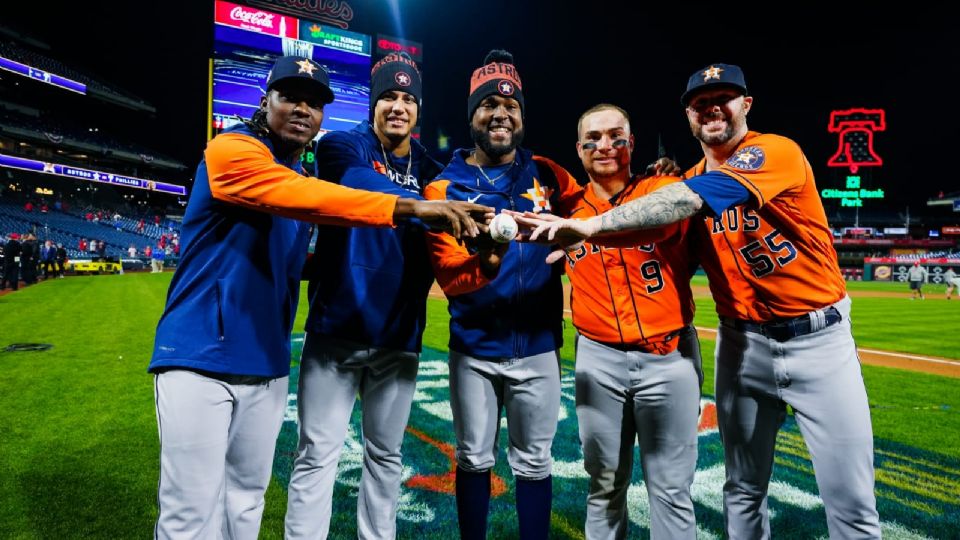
785,336
221,357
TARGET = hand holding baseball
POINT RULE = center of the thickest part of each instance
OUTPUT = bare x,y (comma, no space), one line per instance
551,229
503,228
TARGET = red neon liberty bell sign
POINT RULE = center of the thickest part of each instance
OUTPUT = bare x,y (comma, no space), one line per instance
856,128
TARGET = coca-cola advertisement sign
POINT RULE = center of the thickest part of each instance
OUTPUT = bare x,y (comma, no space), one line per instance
257,20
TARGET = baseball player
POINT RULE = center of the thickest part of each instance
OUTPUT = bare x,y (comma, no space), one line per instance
952,281
222,352
504,337
631,306
917,276
784,337
368,295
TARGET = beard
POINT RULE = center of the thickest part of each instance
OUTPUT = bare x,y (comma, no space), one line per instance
482,139
715,139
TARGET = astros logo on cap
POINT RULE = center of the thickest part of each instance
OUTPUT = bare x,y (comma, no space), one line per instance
306,66
712,72
505,88
402,78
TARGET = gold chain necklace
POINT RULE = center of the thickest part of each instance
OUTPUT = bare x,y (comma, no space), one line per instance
497,177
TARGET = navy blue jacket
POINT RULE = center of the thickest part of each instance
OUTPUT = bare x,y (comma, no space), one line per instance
232,301
370,285
520,312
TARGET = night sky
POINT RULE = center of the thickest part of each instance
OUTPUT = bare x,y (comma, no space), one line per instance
799,66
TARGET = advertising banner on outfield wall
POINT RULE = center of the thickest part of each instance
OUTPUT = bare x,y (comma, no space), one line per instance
882,272
934,272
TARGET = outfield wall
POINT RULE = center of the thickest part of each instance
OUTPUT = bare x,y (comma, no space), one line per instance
890,269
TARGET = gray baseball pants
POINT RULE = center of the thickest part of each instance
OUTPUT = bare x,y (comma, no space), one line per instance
332,373
217,438
818,375
528,389
625,396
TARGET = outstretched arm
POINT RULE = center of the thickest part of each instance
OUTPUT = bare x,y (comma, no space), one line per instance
666,205
458,218
669,204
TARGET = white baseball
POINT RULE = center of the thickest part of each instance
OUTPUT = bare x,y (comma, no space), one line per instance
503,228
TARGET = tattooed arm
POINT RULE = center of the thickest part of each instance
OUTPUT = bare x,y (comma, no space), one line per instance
666,205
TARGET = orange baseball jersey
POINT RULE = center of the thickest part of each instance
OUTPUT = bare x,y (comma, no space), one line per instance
636,296
772,257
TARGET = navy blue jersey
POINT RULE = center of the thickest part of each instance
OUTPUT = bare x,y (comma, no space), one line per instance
370,286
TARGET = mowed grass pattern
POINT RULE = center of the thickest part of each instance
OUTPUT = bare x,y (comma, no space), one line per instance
78,441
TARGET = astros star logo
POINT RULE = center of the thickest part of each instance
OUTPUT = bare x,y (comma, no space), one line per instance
306,66
540,196
712,72
505,88
750,158
402,78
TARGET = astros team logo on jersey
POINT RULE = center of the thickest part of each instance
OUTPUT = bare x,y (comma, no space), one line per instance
540,196
750,158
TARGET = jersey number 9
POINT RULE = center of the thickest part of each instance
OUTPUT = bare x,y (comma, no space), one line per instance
650,271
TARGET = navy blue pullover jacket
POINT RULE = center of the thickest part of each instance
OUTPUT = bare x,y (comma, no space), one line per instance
232,301
368,285
520,312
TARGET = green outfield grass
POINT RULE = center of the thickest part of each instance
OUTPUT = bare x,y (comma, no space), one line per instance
78,440
889,322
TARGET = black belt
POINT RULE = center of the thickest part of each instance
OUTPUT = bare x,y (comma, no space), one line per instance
649,347
627,347
784,330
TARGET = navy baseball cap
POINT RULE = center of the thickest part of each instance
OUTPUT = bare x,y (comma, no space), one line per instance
715,74
297,67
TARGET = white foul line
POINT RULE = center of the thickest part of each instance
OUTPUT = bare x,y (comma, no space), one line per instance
873,351
911,357
869,351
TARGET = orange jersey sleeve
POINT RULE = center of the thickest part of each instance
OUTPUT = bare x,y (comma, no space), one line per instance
772,257
242,171
639,295
457,271
569,189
